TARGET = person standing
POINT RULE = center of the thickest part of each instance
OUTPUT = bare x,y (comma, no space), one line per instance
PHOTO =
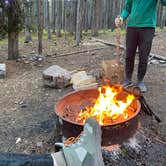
140,32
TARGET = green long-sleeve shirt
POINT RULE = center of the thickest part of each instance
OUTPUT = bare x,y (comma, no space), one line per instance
142,13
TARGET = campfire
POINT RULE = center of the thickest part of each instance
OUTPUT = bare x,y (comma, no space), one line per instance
114,107
108,104
111,106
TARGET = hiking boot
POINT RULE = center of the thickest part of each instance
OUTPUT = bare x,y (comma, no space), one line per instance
142,86
86,151
127,83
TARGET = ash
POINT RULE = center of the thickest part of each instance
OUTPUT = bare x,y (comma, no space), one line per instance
134,152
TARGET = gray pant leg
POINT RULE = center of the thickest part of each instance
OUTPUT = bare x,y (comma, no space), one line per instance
144,45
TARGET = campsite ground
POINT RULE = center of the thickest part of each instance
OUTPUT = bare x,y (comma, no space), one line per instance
27,110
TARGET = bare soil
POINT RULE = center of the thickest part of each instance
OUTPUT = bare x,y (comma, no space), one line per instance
27,110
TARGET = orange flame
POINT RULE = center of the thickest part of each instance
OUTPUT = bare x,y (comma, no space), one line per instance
111,104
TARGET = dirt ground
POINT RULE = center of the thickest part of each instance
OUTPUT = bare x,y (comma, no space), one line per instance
27,117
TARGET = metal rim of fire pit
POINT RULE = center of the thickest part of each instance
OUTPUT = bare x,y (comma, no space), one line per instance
65,97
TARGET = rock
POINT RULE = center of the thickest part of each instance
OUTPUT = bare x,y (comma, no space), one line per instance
39,58
49,54
155,62
33,52
39,144
18,140
23,104
56,77
2,70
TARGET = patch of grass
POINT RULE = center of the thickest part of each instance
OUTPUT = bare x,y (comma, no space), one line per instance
105,32
66,35
158,29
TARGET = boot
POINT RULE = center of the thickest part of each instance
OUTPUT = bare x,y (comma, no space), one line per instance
87,150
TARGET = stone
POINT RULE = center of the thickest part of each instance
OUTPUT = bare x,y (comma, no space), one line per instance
39,144
2,70
155,62
56,77
18,140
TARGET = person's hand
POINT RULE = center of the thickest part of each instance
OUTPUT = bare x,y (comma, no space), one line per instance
118,21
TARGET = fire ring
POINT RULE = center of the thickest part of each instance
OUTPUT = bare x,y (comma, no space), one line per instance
74,102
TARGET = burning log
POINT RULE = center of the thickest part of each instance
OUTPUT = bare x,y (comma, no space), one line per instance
110,104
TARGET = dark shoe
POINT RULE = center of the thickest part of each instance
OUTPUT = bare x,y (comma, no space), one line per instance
87,150
142,86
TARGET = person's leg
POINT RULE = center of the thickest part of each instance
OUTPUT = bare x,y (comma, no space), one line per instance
131,46
144,45
11,159
87,150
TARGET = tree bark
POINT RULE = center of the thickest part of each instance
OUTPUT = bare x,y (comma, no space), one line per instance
13,52
28,37
48,20
40,26
95,17
58,18
13,29
78,25
53,16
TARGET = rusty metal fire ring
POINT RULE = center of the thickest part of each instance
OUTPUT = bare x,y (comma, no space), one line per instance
111,134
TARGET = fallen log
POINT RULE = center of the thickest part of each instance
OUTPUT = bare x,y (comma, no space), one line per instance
78,52
156,56
109,43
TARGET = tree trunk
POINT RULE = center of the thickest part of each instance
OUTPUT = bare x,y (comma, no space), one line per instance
53,16
48,20
58,18
163,20
13,52
82,15
13,30
28,37
95,17
78,25
40,26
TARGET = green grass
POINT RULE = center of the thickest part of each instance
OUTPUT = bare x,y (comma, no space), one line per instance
161,30
67,36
